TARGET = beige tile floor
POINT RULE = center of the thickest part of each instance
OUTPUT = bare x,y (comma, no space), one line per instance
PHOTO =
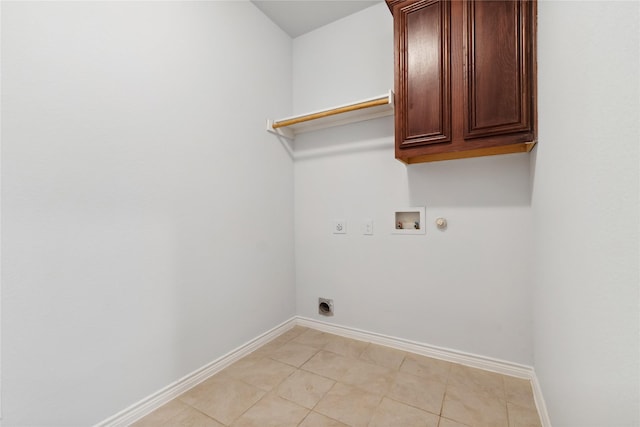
308,378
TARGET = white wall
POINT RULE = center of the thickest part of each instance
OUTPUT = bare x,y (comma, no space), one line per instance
585,204
466,288
146,213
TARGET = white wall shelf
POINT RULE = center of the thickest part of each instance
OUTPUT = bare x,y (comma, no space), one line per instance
366,109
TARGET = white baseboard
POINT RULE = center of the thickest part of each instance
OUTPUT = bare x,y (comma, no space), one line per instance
156,400
149,404
468,359
540,404
449,355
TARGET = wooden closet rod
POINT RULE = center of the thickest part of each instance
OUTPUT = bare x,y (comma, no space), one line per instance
339,110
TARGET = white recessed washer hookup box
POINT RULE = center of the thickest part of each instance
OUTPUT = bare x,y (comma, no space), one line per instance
409,221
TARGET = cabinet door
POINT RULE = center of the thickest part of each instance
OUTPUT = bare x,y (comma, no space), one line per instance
423,88
497,61
465,78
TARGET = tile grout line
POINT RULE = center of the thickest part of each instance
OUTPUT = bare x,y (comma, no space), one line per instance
266,393
446,388
275,387
506,402
206,415
337,381
319,400
382,396
195,409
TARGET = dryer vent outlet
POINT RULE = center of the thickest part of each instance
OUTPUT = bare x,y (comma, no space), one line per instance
325,306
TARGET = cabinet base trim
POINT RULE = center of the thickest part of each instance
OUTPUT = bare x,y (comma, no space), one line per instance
480,152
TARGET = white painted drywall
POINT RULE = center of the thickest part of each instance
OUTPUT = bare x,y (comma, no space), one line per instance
586,216
467,288
147,215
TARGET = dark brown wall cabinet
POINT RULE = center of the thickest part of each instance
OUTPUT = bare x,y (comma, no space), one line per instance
465,78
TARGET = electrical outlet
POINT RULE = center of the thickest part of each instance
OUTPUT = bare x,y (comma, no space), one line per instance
339,226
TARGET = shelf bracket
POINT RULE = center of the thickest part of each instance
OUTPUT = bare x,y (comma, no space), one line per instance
284,132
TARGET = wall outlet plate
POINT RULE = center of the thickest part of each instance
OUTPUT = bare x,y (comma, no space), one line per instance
339,226
367,226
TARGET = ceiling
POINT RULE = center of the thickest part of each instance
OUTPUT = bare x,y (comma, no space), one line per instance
297,17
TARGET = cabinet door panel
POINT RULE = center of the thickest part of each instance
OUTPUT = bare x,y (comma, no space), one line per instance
497,88
424,114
